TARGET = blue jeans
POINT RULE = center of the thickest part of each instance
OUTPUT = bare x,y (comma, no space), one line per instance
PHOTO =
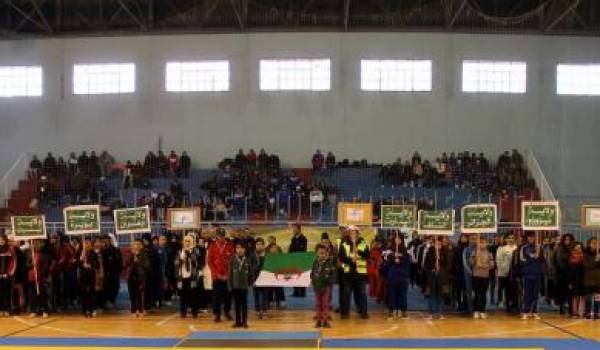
397,295
468,293
435,299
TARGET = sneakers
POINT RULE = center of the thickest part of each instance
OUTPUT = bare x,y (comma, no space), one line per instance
536,316
523,316
404,315
483,315
476,315
45,315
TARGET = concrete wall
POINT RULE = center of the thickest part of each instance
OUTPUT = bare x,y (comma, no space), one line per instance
562,130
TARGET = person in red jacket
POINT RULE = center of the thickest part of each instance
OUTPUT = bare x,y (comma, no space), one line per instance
8,264
173,164
219,254
375,279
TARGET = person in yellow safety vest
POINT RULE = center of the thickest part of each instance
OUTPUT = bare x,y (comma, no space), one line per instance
354,255
342,234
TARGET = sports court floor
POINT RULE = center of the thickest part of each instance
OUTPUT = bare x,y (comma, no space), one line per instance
167,330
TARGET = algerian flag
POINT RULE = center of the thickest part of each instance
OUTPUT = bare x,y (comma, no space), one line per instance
286,270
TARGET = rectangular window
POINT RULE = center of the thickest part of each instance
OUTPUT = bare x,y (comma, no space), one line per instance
578,79
295,74
112,78
20,81
197,76
395,75
498,77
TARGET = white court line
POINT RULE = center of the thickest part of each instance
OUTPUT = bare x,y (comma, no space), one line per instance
165,320
192,328
103,335
491,334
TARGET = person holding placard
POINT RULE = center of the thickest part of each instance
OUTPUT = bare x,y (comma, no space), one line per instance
8,264
37,278
396,271
531,266
87,278
137,269
482,262
436,266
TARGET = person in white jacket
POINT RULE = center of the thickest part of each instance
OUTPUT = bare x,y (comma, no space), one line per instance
506,297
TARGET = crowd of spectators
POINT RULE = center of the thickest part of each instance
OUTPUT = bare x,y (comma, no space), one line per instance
461,170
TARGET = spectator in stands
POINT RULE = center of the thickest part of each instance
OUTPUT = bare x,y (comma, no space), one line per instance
35,166
61,168
106,162
185,164
251,159
128,175
49,164
163,164
83,163
93,165
299,243
318,161
150,165
330,162
263,159
72,163
240,160
173,164
220,253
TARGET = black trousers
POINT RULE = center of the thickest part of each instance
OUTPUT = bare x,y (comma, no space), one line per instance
221,297
356,285
480,287
136,295
261,303
37,298
5,294
240,298
189,297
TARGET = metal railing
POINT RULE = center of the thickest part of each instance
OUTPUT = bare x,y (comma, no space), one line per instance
538,175
10,180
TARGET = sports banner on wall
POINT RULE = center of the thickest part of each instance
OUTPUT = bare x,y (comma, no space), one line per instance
479,218
286,270
436,222
359,214
399,216
590,216
183,218
26,227
132,220
82,219
540,216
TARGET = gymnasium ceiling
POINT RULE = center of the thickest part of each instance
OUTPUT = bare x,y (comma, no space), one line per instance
52,18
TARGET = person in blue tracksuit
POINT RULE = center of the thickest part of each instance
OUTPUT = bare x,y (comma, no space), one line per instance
468,273
396,271
531,261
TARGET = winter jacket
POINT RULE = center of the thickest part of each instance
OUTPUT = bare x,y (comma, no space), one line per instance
396,271
220,253
482,262
137,269
504,259
298,244
591,272
241,273
530,265
8,262
323,274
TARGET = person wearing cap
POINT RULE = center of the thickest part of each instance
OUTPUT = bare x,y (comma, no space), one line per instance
354,255
299,243
220,253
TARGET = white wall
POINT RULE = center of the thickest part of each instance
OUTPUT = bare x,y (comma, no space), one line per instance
562,130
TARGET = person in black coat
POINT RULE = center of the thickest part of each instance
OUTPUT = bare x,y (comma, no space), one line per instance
185,163
299,244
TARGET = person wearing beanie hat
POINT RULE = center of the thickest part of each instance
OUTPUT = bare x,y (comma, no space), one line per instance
220,253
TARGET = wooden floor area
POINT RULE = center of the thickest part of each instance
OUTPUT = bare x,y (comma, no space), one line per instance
417,326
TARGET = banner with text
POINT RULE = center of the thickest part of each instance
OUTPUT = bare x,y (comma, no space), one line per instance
436,222
132,220
28,227
479,218
540,216
82,219
399,216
